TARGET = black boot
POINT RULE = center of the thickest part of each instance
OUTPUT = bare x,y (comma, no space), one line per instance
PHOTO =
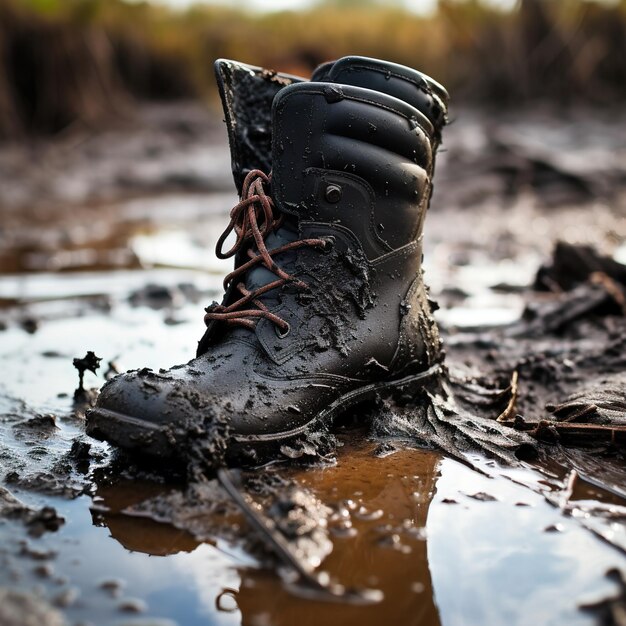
326,306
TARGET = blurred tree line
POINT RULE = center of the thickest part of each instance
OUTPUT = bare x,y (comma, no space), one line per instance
63,61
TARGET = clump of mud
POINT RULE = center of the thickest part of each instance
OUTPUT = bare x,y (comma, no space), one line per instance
38,521
459,416
567,355
19,608
207,511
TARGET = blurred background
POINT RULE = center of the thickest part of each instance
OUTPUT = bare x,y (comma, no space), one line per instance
64,62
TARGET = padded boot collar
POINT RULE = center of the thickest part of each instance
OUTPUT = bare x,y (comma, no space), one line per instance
358,135
405,83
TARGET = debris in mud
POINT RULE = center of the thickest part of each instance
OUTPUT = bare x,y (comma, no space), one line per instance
39,426
66,598
205,510
85,398
572,265
302,518
30,325
45,519
113,586
554,528
80,455
482,497
38,521
601,403
295,531
610,611
316,447
569,354
202,509
132,605
439,417
10,506
593,415
385,448
585,301
89,363
57,481
157,297
290,525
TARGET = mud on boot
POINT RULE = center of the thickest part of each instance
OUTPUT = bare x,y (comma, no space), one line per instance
326,305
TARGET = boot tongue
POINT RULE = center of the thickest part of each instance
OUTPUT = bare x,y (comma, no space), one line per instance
260,275
247,93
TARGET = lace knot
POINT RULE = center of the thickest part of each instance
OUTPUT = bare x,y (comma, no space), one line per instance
252,220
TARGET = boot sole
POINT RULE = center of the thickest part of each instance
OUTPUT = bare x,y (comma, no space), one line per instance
153,440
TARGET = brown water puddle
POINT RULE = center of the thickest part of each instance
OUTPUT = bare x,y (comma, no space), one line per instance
442,543
386,503
378,533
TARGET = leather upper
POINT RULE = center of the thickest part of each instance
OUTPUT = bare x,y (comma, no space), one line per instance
351,166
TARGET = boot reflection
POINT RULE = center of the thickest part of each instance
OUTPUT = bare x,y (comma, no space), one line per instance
138,534
381,507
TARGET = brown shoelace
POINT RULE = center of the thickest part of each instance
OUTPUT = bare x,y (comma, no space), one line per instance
253,219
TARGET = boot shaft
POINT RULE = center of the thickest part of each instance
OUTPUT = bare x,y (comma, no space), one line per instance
353,157
351,166
247,93
404,83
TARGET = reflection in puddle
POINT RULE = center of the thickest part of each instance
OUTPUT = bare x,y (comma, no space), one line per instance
445,546
386,508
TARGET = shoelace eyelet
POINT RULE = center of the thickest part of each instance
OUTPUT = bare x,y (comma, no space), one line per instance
281,334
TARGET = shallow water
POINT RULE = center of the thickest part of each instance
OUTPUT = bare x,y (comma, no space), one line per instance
452,559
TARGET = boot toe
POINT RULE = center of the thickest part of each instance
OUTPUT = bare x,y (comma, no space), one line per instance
139,410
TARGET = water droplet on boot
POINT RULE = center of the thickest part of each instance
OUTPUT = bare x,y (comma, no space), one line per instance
333,94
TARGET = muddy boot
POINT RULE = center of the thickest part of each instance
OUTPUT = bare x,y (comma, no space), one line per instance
326,306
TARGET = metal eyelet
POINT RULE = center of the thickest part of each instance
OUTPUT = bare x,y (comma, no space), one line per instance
329,245
333,194
282,334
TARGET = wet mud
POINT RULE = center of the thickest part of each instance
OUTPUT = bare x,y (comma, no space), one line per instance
495,496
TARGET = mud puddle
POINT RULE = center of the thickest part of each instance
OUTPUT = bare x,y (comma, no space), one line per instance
441,544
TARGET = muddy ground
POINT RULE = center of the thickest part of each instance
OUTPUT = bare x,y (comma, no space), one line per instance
424,514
